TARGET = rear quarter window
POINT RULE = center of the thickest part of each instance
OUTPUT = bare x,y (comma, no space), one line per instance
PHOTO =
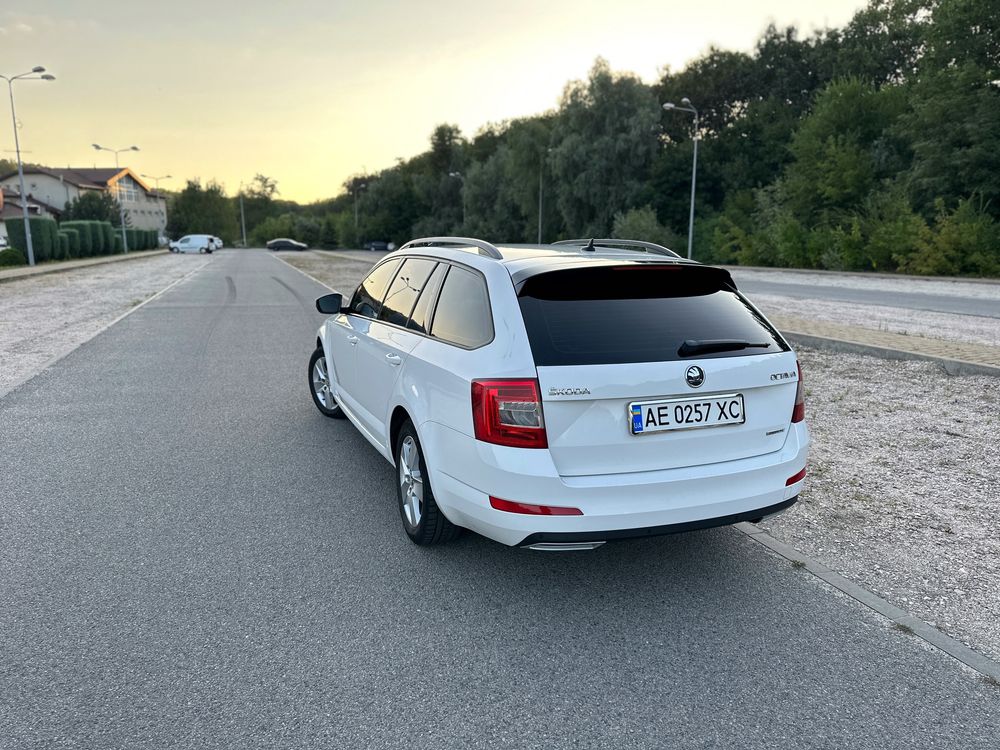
462,315
637,313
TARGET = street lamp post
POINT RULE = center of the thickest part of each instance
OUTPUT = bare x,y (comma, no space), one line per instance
357,189
541,171
156,180
37,73
121,208
458,176
688,107
243,218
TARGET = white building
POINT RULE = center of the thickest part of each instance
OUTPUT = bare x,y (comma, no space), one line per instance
54,188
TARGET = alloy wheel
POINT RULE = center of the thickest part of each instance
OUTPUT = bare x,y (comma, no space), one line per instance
411,481
321,384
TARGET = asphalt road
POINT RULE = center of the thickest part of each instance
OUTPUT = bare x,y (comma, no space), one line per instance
915,300
193,557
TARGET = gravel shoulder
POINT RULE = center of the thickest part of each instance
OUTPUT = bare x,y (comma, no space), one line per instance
45,317
902,494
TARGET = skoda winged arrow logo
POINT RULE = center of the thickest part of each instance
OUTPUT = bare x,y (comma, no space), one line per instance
694,376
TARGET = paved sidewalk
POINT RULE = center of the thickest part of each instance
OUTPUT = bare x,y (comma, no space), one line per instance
23,272
957,356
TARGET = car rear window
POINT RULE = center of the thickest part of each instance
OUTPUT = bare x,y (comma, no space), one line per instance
637,313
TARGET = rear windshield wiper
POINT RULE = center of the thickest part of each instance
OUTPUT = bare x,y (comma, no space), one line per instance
710,346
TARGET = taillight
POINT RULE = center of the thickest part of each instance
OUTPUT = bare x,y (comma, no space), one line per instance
799,410
508,412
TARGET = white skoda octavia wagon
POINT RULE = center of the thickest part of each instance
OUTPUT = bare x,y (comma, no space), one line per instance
560,396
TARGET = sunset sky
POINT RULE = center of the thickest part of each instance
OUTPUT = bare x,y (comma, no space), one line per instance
312,92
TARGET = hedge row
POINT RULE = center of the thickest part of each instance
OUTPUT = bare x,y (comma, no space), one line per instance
76,239
44,238
141,239
96,237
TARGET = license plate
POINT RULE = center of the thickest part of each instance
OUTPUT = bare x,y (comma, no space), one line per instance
686,413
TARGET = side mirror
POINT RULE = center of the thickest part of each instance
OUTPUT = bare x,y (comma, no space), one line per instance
330,304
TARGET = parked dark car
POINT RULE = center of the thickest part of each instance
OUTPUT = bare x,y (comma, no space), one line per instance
378,245
283,243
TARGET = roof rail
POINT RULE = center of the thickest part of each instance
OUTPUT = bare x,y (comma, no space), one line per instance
648,247
485,248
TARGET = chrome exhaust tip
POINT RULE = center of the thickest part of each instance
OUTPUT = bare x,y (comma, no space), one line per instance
564,546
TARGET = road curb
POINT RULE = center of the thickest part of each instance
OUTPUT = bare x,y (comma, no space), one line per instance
920,629
951,366
45,270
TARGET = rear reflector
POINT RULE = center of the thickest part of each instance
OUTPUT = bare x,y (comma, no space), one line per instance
509,506
796,478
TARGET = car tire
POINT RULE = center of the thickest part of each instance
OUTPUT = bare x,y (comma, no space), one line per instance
422,519
320,386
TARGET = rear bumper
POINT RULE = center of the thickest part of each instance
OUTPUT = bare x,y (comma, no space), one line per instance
466,472
670,528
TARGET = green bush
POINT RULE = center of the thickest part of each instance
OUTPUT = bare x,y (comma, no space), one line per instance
97,237
118,246
134,237
72,234
154,239
109,232
965,241
53,231
12,257
44,237
63,246
85,232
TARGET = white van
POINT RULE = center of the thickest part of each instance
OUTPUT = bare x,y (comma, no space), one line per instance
195,243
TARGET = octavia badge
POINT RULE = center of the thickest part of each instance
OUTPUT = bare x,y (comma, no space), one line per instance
694,376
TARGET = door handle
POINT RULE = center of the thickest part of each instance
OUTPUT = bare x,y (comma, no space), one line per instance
394,359
353,340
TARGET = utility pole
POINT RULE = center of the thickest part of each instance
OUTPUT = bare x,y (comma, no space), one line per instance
243,218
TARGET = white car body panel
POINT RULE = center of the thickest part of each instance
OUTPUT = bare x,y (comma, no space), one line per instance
618,480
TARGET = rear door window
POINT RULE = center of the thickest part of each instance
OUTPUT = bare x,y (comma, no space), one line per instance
638,313
421,316
405,289
462,315
367,300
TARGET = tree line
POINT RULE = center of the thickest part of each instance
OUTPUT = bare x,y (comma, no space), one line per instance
875,146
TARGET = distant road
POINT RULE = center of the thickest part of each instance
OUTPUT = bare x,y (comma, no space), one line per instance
914,294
